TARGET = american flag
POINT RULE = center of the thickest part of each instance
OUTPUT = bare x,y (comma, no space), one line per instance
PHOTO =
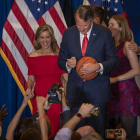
19,31
111,7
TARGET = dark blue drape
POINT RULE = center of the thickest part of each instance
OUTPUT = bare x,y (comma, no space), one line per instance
133,12
9,91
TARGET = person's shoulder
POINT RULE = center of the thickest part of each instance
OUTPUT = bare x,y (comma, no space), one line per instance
71,29
33,54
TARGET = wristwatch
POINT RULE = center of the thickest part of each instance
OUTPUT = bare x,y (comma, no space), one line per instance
79,115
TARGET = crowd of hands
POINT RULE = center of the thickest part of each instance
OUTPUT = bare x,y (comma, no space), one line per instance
43,103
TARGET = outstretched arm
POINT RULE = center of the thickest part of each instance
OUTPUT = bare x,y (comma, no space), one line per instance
84,111
42,121
66,131
30,85
15,120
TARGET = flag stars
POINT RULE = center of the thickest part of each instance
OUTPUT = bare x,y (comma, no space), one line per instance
33,0
46,2
108,9
39,1
103,0
122,2
38,9
107,17
115,9
103,7
116,1
109,0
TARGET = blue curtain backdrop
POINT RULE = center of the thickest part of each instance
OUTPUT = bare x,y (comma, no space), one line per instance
9,92
133,12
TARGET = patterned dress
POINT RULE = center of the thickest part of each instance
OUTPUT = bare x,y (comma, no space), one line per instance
125,99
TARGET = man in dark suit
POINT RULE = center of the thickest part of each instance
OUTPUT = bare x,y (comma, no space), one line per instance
101,47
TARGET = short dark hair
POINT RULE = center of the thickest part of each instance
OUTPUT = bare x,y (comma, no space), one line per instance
23,125
98,12
85,12
31,134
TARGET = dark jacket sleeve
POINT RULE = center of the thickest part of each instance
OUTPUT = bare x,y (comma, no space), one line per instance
63,53
111,56
66,116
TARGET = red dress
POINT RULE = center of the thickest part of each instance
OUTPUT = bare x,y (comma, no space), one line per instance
46,72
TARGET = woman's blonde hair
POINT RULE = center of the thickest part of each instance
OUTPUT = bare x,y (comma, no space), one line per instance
42,28
126,33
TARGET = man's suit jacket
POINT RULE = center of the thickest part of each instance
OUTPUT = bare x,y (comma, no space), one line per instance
101,47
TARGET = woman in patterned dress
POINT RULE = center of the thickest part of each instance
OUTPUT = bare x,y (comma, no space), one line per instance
124,105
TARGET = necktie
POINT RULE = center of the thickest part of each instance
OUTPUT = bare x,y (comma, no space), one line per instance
84,45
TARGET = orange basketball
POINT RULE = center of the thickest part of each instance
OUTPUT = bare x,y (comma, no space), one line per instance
79,65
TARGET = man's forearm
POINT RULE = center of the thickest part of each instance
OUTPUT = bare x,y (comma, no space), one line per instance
72,122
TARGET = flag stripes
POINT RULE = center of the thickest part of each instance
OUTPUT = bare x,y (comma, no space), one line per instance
19,33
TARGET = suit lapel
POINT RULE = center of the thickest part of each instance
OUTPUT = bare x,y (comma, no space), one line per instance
92,37
77,44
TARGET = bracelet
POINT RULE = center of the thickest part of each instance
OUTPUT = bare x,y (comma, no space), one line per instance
40,117
1,124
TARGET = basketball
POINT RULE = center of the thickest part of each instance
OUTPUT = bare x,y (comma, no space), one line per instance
79,65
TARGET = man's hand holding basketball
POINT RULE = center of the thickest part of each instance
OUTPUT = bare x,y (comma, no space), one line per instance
90,68
71,63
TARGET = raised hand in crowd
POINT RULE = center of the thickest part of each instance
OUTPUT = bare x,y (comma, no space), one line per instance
30,93
61,96
12,126
3,112
66,131
84,111
123,136
47,105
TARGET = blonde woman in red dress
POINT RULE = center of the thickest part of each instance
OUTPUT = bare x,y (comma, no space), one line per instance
43,72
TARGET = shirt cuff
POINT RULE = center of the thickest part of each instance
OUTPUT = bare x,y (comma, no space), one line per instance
101,68
65,108
68,68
